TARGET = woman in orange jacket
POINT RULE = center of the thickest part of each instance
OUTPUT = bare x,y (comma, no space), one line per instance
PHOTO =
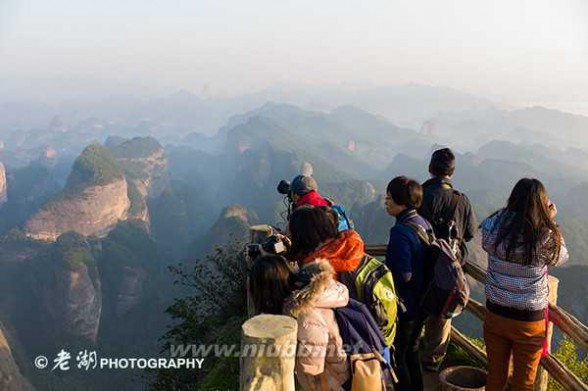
314,235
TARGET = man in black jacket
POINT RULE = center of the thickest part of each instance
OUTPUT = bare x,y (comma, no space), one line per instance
450,213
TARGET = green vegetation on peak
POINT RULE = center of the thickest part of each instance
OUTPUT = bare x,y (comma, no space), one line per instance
129,244
212,312
138,147
72,251
95,166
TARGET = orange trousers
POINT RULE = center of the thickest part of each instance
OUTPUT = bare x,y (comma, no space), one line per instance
524,340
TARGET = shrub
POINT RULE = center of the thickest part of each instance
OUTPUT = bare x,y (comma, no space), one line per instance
212,312
568,355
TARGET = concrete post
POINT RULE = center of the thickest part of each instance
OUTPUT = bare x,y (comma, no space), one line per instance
268,353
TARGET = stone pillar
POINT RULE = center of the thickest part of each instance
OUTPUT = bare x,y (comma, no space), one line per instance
268,353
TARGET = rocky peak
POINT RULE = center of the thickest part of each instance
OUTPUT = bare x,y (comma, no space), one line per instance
10,377
93,201
145,166
3,190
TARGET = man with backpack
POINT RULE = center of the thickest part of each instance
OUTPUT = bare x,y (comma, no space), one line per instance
450,213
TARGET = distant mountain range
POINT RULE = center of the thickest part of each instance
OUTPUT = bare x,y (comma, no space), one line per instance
180,193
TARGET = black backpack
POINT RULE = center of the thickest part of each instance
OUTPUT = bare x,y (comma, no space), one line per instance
445,227
448,291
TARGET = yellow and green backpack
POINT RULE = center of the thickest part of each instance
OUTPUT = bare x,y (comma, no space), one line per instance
372,284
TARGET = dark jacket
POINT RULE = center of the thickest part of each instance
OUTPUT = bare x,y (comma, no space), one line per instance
438,193
406,254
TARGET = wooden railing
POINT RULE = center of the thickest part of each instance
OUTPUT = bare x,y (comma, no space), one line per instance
264,372
568,324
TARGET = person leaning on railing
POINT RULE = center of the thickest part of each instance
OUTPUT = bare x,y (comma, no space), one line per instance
521,240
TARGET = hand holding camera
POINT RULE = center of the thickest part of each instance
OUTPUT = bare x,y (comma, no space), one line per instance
552,209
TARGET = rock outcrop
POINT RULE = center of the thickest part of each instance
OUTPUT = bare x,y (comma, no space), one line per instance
10,377
231,226
127,265
145,166
74,302
91,212
130,289
71,289
2,184
94,200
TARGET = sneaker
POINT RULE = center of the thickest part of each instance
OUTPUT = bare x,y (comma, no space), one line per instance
430,367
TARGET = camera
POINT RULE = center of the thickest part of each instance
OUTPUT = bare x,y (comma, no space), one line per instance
284,187
273,245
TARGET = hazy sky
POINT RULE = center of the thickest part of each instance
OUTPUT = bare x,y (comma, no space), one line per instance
518,51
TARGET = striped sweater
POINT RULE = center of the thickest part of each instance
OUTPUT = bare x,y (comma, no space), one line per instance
510,283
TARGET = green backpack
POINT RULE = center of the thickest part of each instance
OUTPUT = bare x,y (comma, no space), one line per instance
372,284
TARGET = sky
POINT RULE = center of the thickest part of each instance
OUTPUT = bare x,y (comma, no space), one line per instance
520,52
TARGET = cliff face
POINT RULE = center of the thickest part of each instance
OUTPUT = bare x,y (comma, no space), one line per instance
91,211
153,178
126,265
10,377
232,225
2,184
74,301
145,166
130,289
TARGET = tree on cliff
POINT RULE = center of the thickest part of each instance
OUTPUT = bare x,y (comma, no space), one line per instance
211,313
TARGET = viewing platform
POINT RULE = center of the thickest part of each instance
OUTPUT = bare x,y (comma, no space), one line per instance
254,377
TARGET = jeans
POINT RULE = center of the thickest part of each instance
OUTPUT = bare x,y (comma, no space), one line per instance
407,356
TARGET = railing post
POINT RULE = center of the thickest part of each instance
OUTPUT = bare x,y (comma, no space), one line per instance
542,379
268,353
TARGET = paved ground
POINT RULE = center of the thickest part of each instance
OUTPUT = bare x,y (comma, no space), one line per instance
431,381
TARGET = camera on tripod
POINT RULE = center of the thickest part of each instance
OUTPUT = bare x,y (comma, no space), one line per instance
272,245
284,187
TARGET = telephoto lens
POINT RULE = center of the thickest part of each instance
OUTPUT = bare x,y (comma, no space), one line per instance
284,187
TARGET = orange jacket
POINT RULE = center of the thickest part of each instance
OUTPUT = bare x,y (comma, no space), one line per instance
344,253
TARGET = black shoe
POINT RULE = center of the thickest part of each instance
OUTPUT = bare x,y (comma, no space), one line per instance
430,367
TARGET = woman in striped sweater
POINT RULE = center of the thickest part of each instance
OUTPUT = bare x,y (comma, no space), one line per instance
521,240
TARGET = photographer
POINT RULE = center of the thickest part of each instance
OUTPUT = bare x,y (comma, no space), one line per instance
302,191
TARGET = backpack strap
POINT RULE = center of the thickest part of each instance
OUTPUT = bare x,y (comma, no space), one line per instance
451,211
453,204
347,278
427,236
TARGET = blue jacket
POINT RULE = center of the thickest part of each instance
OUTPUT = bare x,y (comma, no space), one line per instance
406,254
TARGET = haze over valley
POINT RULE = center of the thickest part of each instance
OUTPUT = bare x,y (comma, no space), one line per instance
138,139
